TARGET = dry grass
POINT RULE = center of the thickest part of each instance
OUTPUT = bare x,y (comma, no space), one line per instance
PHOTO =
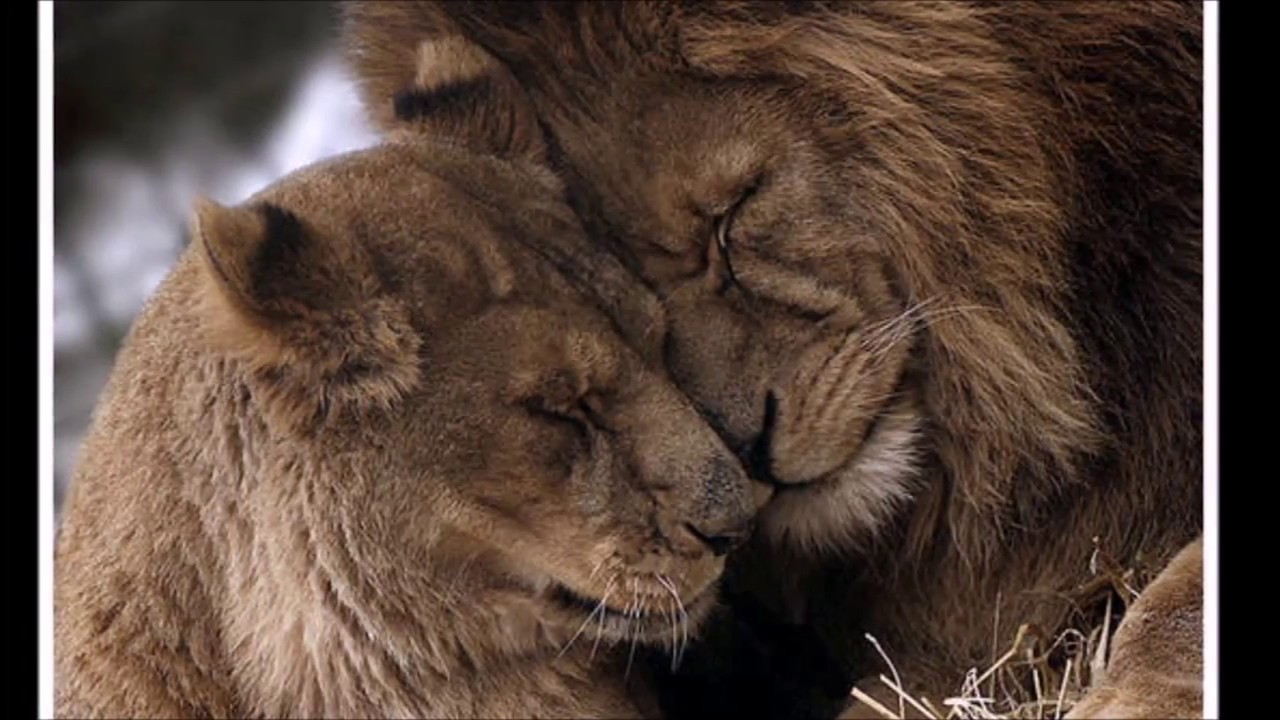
1037,676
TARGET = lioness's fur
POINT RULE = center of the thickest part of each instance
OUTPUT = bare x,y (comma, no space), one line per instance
932,268
384,444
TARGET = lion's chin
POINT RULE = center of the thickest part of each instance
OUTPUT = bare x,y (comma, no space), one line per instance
848,507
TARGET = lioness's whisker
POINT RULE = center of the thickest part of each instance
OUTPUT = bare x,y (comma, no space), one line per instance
678,653
673,619
684,635
451,595
598,566
634,627
600,628
599,608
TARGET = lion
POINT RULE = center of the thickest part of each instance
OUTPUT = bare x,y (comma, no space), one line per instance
386,443
932,270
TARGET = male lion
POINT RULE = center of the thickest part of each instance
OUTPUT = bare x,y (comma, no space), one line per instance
932,269
385,443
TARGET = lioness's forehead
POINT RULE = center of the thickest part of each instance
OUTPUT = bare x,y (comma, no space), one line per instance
406,197
365,182
484,226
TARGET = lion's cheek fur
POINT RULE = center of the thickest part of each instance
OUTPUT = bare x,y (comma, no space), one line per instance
848,509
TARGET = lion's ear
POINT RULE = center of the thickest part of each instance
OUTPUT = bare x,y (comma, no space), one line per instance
307,314
461,93
418,72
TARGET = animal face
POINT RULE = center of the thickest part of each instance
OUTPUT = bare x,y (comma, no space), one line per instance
785,319
860,253
423,333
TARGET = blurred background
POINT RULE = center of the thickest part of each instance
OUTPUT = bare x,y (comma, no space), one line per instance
154,103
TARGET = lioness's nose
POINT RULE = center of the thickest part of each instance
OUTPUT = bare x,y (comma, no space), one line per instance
724,513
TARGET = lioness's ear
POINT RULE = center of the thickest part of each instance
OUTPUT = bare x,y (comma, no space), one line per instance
460,92
252,255
308,315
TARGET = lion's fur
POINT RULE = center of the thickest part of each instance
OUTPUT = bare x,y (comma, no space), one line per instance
369,427
1026,175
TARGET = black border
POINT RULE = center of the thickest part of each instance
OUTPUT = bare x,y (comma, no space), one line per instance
1231,49
23,26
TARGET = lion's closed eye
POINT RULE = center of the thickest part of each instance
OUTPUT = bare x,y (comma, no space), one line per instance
720,260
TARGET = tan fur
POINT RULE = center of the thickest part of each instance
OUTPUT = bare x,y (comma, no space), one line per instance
360,445
1156,665
980,218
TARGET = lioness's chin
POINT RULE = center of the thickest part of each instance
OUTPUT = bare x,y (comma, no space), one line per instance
634,617
849,506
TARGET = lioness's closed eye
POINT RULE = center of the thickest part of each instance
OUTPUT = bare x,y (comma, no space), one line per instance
376,449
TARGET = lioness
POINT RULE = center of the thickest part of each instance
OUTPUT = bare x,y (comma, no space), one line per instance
932,269
386,443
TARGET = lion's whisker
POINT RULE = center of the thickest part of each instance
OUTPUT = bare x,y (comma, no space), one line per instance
873,331
892,327
881,343
854,339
